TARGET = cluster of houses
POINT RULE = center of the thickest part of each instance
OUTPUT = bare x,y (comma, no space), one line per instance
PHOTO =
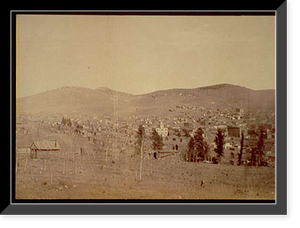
175,131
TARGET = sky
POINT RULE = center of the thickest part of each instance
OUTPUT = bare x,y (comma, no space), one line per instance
142,54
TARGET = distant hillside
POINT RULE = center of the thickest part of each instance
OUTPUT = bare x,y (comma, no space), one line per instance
100,101
214,97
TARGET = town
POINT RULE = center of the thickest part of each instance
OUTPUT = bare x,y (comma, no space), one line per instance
61,147
175,132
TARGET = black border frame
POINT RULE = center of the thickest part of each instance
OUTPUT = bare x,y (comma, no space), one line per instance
16,207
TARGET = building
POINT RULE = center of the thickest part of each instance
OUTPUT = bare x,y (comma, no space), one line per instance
234,131
161,130
187,125
240,111
43,149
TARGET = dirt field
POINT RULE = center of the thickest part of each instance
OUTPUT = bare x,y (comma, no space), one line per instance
87,177
70,175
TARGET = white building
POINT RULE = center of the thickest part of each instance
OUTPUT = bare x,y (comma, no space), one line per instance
161,130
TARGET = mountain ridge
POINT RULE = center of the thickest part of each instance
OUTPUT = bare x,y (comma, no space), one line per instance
107,89
101,100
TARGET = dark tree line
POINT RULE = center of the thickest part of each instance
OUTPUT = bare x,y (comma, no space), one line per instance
198,148
157,140
258,152
219,141
240,155
140,138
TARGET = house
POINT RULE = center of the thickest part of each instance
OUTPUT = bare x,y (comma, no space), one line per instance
239,112
162,131
43,149
234,131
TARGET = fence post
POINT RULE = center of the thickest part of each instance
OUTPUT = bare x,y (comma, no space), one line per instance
106,154
50,175
45,165
64,166
25,163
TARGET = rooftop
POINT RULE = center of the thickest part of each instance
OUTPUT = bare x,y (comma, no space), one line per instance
46,145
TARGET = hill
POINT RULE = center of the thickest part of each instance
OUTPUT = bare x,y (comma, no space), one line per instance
100,101
223,96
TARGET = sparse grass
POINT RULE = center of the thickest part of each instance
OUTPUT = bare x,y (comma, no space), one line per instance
161,179
73,176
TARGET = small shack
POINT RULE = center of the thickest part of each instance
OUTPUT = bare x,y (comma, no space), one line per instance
234,131
162,153
44,149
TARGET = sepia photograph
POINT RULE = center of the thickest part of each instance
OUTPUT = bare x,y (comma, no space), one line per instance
159,107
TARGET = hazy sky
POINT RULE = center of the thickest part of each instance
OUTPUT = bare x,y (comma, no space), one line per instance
140,54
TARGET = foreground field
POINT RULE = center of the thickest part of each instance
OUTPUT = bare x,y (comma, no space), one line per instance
88,177
93,175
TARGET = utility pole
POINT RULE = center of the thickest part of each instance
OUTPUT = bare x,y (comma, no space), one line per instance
37,132
115,134
116,110
106,154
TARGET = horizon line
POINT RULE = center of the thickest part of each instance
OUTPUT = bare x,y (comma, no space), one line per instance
139,94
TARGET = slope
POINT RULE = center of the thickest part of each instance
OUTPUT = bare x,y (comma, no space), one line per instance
100,101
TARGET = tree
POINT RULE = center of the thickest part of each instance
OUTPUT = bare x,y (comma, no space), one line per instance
201,147
241,150
219,140
261,148
64,121
206,148
140,137
186,132
190,154
197,148
70,123
157,140
253,156
140,142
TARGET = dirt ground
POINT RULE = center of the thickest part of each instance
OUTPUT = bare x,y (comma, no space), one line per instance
71,175
77,177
